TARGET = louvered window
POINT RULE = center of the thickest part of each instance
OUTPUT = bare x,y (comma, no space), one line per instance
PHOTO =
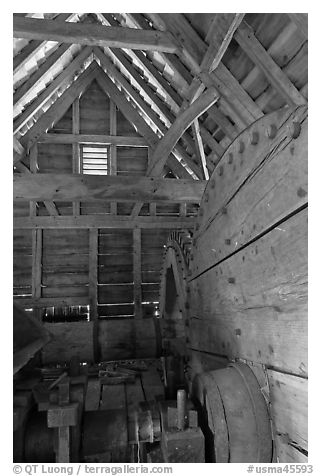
95,160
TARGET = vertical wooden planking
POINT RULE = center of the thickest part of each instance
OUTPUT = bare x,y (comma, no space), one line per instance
113,149
33,169
76,149
93,264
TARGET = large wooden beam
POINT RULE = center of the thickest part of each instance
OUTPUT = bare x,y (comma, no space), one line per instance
71,187
38,303
50,206
37,76
167,143
40,100
32,48
274,74
93,293
103,221
59,107
137,271
119,141
182,122
89,34
301,21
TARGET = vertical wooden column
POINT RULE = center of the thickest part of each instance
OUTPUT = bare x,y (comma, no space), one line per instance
182,209
34,170
76,149
137,257
93,280
113,150
137,265
36,275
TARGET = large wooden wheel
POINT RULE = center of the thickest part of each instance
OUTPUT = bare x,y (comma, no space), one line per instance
234,415
173,292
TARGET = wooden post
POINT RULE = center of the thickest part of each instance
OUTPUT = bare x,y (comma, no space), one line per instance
137,278
33,169
113,150
36,268
137,273
75,149
93,278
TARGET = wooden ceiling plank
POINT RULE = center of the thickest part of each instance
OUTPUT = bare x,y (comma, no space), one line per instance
120,141
60,106
37,76
301,21
90,34
76,187
103,221
39,101
253,48
34,46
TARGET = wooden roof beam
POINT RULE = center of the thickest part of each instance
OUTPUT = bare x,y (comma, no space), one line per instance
79,187
167,143
103,221
59,107
40,100
89,34
301,21
34,46
119,141
37,76
200,147
116,74
180,125
274,74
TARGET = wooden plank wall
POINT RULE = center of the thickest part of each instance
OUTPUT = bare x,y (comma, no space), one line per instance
249,285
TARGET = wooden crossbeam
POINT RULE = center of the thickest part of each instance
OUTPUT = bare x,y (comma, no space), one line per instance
253,48
219,37
119,141
41,302
34,46
74,187
24,171
88,34
59,107
103,221
63,77
193,51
